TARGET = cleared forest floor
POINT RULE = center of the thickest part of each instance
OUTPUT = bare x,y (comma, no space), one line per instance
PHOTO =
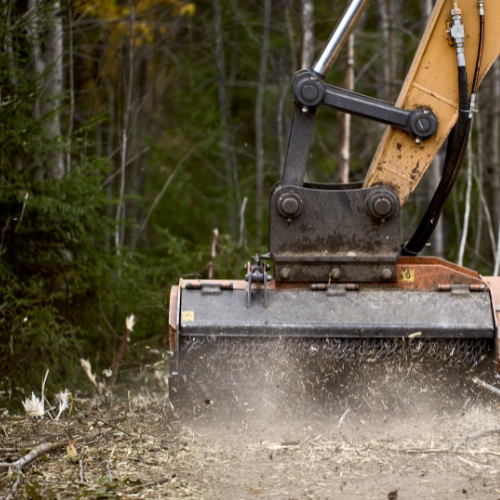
373,431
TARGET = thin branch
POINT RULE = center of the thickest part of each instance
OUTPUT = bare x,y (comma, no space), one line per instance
105,318
150,484
242,239
242,21
129,161
486,386
71,87
116,428
162,192
213,254
475,435
118,360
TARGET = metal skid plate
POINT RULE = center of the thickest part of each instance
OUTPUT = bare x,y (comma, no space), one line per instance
336,313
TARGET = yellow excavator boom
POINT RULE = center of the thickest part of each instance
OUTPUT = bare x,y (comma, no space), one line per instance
400,161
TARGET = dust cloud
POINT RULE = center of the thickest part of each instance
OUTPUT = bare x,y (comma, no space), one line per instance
273,418
277,389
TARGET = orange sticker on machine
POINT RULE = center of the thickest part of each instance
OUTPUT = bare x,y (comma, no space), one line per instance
408,275
187,316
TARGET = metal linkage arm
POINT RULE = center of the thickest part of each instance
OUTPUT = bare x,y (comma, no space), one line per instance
309,91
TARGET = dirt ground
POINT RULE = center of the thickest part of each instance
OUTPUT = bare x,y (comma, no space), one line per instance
282,429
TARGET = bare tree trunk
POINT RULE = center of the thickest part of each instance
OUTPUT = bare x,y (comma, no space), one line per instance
71,87
290,36
7,12
468,191
494,144
259,121
225,145
487,213
34,26
345,123
478,176
282,90
490,116
120,210
307,47
495,158
437,239
386,14
284,80
53,56
110,143
426,7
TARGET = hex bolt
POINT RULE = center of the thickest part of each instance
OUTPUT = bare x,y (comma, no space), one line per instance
285,273
386,274
290,206
336,274
305,109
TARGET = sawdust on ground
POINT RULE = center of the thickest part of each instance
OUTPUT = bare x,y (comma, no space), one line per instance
362,431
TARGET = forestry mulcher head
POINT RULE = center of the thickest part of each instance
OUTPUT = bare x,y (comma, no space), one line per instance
341,278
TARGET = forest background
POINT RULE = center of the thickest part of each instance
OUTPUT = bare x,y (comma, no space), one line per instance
130,130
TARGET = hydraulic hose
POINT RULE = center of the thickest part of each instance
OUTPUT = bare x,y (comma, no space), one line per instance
457,143
455,151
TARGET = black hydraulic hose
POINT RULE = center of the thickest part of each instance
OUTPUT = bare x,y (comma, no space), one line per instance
455,151
457,143
475,81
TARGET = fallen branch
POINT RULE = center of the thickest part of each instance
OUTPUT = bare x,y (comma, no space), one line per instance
40,450
32,455
80,471
486,386
473,464
14,488
150,484
416,451
114,427
475,435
